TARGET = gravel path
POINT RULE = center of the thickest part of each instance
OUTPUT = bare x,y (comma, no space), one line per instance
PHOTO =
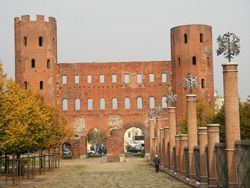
93,173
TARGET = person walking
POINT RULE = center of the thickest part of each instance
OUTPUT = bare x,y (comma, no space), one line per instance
157,163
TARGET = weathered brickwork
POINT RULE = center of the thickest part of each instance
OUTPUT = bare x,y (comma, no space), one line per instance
112,96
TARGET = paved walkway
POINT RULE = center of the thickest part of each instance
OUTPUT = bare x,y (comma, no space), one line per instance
93,173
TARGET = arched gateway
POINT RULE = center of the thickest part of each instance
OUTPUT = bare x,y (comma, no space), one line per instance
116,140
112,96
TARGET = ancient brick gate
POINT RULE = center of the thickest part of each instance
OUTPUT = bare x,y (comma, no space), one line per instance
115,141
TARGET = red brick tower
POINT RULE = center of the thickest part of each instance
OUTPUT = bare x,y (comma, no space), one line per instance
191,52
36,55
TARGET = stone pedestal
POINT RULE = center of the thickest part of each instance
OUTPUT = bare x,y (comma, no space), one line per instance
232,120
183,143
213,138
202,137
172,133
192,131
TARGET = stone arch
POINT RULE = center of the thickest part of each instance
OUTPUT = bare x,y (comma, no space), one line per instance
115,141
99,146
67,150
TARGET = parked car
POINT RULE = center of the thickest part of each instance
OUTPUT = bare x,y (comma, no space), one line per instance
90,152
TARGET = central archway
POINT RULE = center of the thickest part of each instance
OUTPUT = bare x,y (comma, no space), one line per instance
116,144
96,142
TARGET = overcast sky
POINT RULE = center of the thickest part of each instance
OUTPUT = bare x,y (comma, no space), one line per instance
129,30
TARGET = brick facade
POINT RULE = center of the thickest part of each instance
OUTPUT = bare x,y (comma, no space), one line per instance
80,90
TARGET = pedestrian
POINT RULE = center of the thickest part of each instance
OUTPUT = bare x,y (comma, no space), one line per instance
157,163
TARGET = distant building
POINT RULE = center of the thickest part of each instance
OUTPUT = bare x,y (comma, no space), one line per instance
218,102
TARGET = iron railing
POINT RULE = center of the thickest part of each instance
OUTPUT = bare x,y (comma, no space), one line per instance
243,163
221,165
197,163
168,159
174,158
16,169
186,159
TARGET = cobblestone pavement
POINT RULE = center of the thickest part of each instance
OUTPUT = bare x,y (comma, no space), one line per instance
93,173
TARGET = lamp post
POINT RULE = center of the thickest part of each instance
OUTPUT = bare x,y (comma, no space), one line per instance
229,46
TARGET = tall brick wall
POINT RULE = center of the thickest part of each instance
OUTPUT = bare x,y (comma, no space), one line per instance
112,121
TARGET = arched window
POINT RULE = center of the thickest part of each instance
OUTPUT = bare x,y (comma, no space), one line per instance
202,83
139,103
25,85
194,60
102,104
65,104
48,63
77,104
151,102
185,38
164,102
201,37
90,104
127,103
41,84
25,41
40,41
33,63
114,103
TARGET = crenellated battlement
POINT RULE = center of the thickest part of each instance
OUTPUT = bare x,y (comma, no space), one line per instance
39,19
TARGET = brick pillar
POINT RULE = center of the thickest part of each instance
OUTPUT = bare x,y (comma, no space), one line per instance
192,131
172,133
183,143
158,138
213,137
153,148
166,137
151,136
177,147
83,147
161,145
232,121
202,136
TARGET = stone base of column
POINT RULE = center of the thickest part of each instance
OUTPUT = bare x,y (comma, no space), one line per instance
212,182
113,158
83,156
147,157
203,180
232,184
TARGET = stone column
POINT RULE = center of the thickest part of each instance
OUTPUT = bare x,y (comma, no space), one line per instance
232,120
202,136
183,143
192,131
172,133
177,147
166,139
212,138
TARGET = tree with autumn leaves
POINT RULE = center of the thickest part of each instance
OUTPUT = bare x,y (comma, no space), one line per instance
27,124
